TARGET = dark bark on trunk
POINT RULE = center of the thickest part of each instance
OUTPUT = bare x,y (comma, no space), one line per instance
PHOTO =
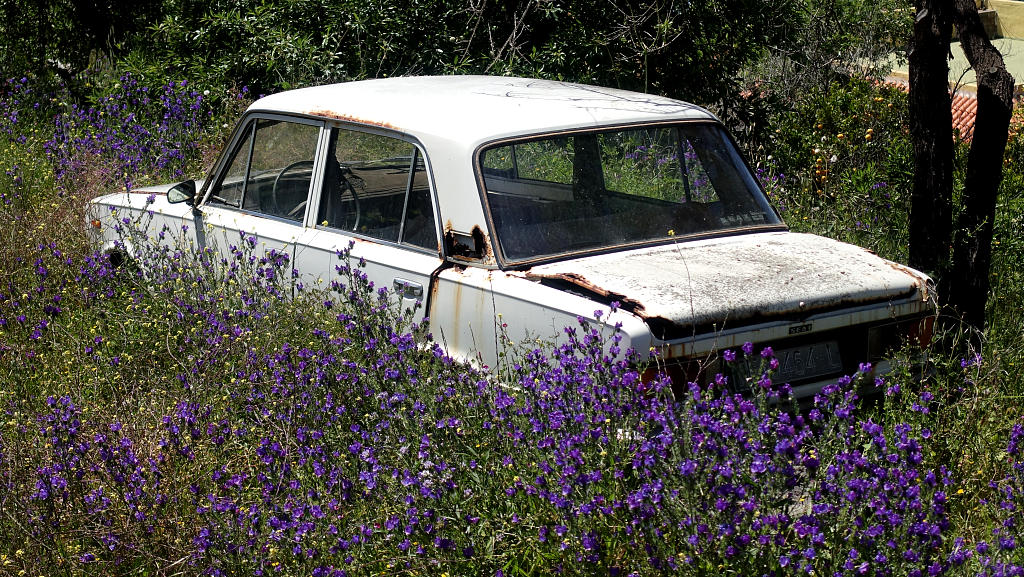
972,245
42,37
931,127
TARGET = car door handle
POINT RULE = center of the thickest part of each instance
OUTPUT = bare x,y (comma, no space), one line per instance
408,289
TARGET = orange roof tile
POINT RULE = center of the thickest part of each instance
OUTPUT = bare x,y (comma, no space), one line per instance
963,105
965,109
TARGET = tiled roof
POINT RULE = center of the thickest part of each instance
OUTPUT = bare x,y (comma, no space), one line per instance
964,106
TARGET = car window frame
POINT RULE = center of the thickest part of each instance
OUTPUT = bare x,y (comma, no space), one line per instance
420,151
246,129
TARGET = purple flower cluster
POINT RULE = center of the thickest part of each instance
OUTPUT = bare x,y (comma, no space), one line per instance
774,185
135,130
20,109
226,421
96,479
1005,555
24,173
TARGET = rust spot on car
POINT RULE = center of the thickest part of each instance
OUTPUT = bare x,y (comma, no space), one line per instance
900,268
570,280
481,243
454,245
456,314
661,327
349,118
433,292
920,283
433,287
472,246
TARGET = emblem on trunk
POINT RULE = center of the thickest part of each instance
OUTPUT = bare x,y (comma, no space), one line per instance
800,329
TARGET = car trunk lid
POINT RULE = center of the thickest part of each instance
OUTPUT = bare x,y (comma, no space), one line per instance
736,280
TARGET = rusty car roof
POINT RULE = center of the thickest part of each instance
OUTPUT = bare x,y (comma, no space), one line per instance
474,109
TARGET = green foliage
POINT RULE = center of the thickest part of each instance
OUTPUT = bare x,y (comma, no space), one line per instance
275,45
845,159
1007,275
46,37
268,46
831,37
694,51
827,42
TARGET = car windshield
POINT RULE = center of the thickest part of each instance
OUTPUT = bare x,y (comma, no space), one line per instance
601,189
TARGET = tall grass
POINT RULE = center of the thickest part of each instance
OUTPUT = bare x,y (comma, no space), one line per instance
181,417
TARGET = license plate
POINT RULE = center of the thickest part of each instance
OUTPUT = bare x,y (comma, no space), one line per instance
795,364
807,362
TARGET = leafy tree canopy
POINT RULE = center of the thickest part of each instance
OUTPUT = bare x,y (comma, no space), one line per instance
692,50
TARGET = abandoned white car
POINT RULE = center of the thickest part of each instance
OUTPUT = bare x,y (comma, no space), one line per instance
542,202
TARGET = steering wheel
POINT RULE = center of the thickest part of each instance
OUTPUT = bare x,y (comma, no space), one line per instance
275,201
346,183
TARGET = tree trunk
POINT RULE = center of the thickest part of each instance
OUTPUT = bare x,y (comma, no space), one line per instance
931,127
972,245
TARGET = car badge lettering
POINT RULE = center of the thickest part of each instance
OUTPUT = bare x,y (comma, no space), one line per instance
800,329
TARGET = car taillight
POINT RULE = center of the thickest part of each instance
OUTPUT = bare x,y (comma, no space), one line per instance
679,372
921,331
885,338
683,372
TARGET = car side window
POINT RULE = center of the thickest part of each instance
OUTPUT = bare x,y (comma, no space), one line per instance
419,229
377,186
228,190
271,169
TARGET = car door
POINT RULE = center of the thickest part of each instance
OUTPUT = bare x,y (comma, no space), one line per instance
375,196
256,205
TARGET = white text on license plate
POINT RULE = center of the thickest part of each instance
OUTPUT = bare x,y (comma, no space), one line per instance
807,361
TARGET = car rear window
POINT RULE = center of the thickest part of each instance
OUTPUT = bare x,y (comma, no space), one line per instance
600,189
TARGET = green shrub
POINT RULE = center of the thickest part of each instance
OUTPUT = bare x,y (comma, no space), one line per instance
845,157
